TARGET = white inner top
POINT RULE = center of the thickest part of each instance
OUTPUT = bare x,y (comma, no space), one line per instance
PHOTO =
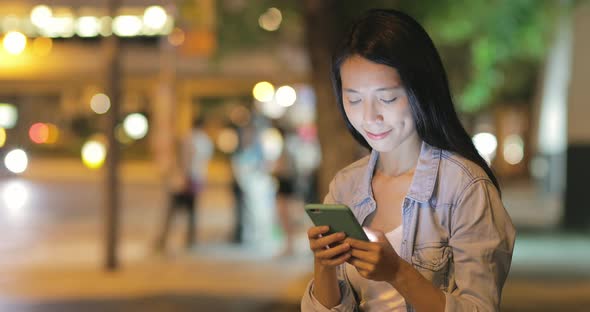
378,296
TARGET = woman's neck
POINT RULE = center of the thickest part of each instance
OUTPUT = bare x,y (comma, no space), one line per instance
401,160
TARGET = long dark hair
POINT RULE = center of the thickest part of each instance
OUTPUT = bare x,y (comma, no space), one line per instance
393,38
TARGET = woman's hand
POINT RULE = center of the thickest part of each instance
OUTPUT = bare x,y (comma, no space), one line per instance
376,260
330,250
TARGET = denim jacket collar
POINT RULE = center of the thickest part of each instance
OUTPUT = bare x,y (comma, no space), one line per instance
423,181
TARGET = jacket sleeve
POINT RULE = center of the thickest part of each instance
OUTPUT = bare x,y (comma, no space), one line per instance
347,304
482,240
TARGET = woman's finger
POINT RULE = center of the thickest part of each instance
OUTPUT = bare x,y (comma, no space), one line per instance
332,252
325,241
315,231
336,261
361,265
362,245
365,256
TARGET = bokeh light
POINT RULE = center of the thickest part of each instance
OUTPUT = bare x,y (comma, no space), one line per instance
16,161
513,149
39,133
15,196
272,143
14,42
127,25
41,16
42,46
53,135
155,17
271,109
486,144
63,26
136,126
100,103
304,112
286,96
106,26
121,135
176,37
8,115
271,19
10,22
228,140
2,137
263,91
88,26
240,115
93,154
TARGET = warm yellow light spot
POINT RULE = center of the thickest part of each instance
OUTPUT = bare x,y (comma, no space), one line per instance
176,37
42,46
2,137
93,154
263,91
227,141
100,103
53,134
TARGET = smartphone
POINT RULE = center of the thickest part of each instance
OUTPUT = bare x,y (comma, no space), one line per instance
338,217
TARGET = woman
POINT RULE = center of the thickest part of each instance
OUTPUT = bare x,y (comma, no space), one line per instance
443,240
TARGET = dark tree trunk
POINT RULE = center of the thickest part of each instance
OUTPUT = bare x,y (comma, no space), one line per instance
324,24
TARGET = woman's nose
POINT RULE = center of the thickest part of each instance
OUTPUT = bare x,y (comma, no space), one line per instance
372,114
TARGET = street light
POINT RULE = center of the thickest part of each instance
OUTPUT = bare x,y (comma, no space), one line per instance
41,16
286,96
155,17
127,25
8,115
93,154
15,42
100,103
271,19
16,161
136,126
263,91
88,26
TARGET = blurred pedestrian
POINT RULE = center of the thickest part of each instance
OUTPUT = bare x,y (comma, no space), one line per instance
188,180
285,174
252,173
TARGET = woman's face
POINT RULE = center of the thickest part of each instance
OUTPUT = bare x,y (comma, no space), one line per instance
376,103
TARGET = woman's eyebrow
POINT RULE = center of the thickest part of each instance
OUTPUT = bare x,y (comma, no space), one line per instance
389,88
376,90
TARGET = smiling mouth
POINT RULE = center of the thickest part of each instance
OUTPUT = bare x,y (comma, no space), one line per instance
377,136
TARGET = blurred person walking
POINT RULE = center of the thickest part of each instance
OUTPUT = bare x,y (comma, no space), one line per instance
285,173
252,173
188,180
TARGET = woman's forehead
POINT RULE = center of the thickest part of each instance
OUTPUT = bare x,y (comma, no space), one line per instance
358,72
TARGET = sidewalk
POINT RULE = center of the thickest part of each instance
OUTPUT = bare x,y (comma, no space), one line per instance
52,253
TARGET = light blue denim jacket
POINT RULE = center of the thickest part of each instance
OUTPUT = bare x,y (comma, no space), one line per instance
456,232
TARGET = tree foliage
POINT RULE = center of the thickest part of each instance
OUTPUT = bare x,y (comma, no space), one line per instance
492,50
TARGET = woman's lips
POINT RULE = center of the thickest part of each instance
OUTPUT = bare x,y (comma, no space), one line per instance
377,136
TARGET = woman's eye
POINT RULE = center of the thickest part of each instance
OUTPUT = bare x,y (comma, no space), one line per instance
389,100
355,101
